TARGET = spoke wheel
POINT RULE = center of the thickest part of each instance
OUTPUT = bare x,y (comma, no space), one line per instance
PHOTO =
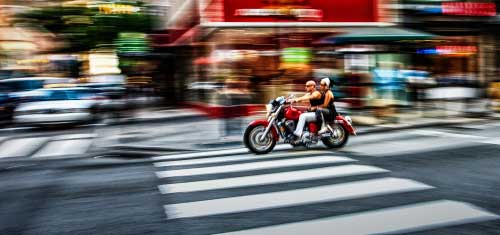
252,139
338,139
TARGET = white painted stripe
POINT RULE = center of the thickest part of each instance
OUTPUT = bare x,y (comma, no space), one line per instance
21,147
403,219
476,126
232,159
74,136
12,129
253,166
4,138
202,154
64,148
492,141
328,193
213,153
447,134
286,177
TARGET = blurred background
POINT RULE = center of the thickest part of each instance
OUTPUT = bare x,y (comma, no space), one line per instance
389,61
92,90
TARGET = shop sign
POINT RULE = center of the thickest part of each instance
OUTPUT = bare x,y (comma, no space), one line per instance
129,42
293,10
296,55
113,8
313,14
469,8
448,50
233,55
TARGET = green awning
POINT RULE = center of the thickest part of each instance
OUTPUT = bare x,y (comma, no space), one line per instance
378,34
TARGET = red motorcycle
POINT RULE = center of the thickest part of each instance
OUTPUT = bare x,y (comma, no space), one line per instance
262,135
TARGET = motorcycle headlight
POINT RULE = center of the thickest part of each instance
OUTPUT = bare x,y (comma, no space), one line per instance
269,107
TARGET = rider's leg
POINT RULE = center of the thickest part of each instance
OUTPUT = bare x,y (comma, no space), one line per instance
324,115
303,119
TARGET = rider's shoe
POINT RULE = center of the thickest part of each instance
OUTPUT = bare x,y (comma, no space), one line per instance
323,130
295,140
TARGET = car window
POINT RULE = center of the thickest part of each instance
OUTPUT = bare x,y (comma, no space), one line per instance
23,85
52,95
80,94
57,95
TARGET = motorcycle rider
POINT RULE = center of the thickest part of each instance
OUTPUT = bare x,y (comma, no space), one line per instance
326,111
315,99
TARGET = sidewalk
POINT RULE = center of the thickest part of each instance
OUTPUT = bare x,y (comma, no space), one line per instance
208,134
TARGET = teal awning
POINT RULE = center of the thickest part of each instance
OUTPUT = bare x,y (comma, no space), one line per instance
378,34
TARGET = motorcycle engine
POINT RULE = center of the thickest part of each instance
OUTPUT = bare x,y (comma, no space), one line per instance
290,125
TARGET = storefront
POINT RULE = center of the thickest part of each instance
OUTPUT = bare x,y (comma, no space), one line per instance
462,62
266,46
463,53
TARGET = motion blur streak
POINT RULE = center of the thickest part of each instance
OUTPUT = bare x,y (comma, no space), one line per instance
112,109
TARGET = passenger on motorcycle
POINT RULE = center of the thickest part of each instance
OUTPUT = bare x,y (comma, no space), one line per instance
315,99
326,111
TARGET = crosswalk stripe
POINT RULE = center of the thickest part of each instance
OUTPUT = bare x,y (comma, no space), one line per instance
231,159
75,136
447,134
254,166
492,141
21,147
3,138
303,175
64,148
202,154
403,219
213,153
328,193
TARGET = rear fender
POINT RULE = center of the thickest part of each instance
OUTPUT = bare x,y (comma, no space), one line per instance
348,126
265,123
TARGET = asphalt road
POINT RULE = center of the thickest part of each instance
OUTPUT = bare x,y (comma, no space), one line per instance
428,181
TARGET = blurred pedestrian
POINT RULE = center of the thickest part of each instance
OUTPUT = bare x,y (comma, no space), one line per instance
235,96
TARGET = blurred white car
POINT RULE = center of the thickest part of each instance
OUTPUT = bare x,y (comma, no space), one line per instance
58,106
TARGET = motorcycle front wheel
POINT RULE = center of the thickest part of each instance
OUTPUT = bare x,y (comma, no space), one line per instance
252,140
337,140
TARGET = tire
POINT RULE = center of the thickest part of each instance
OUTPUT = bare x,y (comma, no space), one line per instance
250,139
331,142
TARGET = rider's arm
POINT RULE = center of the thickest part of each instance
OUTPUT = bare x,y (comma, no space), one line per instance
309,96
306,97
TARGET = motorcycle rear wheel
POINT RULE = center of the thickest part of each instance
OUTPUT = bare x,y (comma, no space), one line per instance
340,141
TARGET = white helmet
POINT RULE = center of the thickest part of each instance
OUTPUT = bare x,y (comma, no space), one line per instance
327,81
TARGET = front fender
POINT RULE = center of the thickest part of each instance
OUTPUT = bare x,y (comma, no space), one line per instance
265,123
342,121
